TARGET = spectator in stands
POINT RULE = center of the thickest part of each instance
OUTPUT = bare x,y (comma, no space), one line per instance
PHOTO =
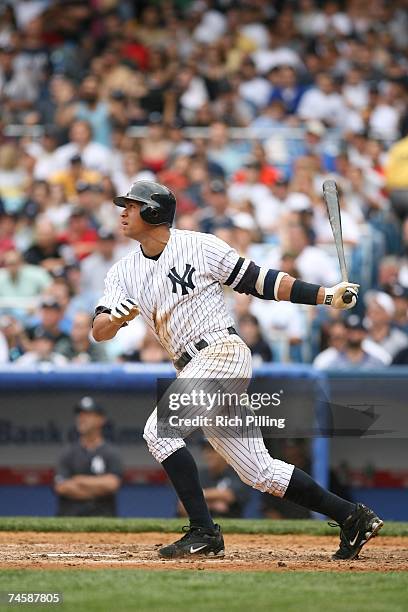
323,102
380,315
90,107
221,151
81,349
8,228
249,186
400,296
131,170
217,212
80,237
149,351
13,178
18,89
13,340
90,471
397,177
50,321
42,351
45,251
353,355
155,147
312,262
21,280
95,267
288,90
250,331
94,155
337,338
43,152
76,173
226,495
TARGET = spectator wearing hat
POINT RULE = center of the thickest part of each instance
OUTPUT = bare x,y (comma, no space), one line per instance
89,472
43,151
380,315
354,355
244,233
42,351
95,267
50,321
74,175
21,280
217,212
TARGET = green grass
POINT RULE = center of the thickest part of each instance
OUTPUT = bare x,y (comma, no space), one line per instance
207,591
137,525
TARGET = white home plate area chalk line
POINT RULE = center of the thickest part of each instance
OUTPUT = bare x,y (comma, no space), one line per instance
78,554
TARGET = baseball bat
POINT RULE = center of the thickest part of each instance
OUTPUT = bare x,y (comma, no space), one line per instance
331,198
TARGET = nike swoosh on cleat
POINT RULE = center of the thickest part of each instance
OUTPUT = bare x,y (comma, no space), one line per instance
194,550
352,542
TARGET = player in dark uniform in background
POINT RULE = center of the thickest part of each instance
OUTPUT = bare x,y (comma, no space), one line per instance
89,472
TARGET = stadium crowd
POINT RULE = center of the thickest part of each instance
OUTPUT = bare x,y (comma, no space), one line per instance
243,109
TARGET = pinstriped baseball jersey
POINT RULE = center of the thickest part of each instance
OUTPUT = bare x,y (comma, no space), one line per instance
180,294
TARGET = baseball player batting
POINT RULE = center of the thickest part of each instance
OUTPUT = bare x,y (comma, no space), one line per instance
174,280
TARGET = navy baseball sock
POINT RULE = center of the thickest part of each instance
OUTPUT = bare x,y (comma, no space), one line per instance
303,490
182,471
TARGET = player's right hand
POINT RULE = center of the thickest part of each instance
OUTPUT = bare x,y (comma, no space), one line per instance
333,296
124,312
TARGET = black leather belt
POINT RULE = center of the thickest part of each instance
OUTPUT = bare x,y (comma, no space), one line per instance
185,357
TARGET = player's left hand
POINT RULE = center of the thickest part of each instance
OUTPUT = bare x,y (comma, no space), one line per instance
333,296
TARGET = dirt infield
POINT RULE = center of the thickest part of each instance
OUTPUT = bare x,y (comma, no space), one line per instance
243,552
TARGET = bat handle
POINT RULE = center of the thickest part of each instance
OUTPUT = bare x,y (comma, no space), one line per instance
347,297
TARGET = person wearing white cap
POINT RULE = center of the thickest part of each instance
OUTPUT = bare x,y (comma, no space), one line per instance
380,313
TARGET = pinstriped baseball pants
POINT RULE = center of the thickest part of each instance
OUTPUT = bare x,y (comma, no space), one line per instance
243,449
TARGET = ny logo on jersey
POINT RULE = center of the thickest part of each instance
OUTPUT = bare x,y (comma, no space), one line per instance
185,281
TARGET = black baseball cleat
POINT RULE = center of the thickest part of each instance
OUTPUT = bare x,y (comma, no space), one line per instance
196,541
358,528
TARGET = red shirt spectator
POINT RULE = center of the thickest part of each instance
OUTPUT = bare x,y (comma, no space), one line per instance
80,235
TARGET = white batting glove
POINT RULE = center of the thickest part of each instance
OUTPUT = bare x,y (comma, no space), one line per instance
124,312
333,296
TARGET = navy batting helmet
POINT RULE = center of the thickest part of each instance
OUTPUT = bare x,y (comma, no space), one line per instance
158,203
